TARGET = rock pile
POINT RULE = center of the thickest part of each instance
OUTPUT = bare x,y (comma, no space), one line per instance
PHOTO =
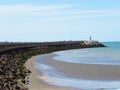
12,76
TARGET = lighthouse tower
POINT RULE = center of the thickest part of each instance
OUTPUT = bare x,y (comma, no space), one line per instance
90,38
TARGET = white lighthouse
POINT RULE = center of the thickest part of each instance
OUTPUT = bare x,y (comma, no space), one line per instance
90,38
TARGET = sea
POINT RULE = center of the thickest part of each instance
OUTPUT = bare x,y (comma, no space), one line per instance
109,55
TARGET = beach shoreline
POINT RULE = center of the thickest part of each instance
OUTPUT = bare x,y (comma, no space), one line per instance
38,81
84,71
36,78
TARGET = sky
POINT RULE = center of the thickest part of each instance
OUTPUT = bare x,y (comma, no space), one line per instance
58,20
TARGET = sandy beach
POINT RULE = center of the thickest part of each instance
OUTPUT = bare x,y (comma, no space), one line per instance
82,71
36,78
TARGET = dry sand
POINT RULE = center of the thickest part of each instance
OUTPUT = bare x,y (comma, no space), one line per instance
36,78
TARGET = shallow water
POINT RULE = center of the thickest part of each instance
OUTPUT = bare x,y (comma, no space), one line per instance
101,56
109,55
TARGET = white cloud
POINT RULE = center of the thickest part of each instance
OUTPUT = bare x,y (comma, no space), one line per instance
53,12
12,9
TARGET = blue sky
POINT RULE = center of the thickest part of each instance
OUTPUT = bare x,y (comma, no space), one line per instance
53,20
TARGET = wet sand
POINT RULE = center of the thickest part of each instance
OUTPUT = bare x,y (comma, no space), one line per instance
81,71
37,78
84,71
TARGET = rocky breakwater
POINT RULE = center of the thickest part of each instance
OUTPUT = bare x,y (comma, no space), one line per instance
13,73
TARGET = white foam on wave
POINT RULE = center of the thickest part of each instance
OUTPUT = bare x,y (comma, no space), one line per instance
84,84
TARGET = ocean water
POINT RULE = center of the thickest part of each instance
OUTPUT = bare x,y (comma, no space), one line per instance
109,55
102,56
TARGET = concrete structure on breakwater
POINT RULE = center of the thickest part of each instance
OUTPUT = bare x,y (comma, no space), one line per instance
10,46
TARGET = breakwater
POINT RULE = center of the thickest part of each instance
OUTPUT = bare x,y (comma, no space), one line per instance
8,47
13,74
